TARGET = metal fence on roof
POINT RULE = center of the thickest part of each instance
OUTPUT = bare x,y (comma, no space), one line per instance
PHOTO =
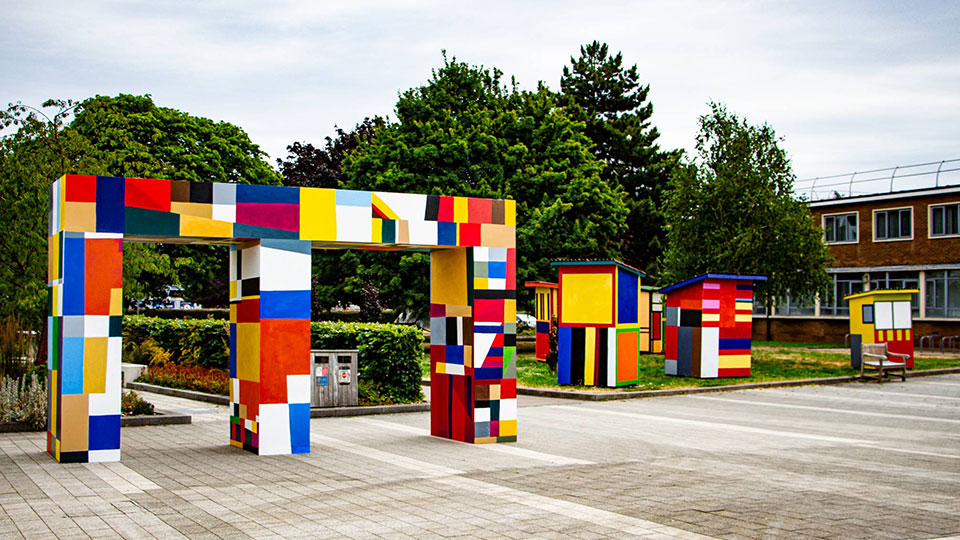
878,181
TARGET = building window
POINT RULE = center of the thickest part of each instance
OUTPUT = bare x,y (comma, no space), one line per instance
843,285
795,306
943,294
840,228
945,220
895,224
898,280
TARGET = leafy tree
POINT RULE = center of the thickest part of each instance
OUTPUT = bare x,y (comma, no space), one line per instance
122,136
608,97
133,137
34,152
309,166
465,133
732,210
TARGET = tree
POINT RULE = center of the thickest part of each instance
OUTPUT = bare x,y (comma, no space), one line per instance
34,153
465,133
733,211
309,166
608,97
121,136
131,136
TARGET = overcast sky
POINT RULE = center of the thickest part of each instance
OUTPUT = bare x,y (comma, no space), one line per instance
849,85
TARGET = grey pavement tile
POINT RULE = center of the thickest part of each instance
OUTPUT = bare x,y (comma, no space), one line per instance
729,465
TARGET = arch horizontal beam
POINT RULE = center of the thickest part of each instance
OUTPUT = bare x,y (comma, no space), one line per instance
181,211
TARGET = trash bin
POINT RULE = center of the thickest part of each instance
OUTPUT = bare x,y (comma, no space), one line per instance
334,378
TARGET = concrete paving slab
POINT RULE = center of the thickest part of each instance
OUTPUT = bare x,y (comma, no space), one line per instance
850,461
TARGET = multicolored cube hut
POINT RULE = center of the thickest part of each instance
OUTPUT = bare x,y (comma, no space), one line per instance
271,231
651,319
545,296
882,316
709,326
598,335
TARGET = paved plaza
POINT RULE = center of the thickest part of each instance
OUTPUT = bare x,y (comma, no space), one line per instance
845,461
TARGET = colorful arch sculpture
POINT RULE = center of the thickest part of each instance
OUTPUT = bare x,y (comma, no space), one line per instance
271,231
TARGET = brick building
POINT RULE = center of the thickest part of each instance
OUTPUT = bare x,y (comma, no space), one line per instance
900,240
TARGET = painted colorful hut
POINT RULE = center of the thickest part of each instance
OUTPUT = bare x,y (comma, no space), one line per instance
882,316
651,319
599,323
709,326
544,309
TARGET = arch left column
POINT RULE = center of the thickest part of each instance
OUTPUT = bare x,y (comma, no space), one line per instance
85,309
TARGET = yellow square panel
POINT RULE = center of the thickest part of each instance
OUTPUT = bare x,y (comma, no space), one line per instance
202,210
94,365
248,351
116,301
448,283
732,361
318,214
586,299
510,212
460,209
202,227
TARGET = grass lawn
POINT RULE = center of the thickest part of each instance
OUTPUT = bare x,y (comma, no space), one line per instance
771,362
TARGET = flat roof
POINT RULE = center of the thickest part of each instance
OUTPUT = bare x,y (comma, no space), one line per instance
882,292
598,262
547,284
906,194
711,276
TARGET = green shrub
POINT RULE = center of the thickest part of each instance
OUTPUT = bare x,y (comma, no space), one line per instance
194,342
145,352
388,353
132,404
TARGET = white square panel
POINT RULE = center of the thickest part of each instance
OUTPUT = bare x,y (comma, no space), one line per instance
273,429
902,316
282,270
298,388
354,224
883,315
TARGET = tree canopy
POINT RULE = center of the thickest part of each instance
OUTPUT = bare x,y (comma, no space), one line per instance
599,90
35,151
732,210
116,136
466,133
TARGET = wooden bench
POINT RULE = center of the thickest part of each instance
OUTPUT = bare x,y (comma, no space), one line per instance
876,356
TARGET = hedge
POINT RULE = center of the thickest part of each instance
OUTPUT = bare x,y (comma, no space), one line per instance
388,354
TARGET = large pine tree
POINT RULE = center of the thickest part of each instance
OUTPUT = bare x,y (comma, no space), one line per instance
608,97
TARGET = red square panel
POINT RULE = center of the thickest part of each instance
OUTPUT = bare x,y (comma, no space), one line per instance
80,188
469,234
488,310
445,212
284,350
148,193
479,210
103,271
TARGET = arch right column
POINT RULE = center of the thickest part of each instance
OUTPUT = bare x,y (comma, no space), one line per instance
473,353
